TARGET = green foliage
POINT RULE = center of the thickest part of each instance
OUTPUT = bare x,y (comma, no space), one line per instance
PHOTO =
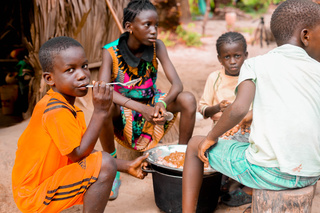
253,6
165,37
194,7
249,30
256,7
190,38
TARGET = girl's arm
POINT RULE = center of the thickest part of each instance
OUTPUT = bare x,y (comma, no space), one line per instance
212,110
170,71
105,75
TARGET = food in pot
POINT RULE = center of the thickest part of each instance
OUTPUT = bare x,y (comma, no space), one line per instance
174,160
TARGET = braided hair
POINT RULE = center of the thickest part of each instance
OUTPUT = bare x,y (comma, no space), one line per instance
293,15
134,8
52,47
231,37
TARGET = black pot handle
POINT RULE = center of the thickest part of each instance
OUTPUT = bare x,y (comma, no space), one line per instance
148,169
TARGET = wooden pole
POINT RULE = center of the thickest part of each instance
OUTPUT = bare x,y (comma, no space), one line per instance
114,15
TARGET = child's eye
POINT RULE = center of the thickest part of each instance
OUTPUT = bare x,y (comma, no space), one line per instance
85,66
227,57
70,70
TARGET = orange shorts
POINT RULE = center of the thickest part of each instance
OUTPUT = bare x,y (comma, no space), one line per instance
65,188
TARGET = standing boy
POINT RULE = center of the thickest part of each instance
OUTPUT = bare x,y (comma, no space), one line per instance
56,165
284,87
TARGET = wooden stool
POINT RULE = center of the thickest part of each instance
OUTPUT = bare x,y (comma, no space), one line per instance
285,201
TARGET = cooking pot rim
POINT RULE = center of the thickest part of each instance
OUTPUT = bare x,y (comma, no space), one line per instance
207,175
164,150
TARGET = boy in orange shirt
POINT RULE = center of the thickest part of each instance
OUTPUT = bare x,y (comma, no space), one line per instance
56,165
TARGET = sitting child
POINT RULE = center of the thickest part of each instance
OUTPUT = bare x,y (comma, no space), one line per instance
219,93
138,111
284,88
219,89
56,165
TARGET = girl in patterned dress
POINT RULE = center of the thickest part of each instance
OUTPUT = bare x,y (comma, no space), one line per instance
138,111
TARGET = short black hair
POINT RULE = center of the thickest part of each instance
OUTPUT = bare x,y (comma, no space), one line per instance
293,15
134,8
53,47
231,37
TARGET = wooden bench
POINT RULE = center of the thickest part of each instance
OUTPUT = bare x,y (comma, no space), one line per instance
286,201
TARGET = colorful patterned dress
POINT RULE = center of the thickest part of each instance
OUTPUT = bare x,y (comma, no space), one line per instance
136,133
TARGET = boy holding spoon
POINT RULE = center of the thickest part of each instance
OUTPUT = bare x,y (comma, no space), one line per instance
56,165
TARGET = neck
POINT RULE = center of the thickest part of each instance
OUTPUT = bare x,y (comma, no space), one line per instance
294,40
69,99
134,46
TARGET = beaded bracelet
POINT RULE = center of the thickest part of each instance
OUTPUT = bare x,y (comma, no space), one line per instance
164,103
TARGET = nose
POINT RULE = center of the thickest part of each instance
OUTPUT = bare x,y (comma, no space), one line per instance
153,30
233,60
81,75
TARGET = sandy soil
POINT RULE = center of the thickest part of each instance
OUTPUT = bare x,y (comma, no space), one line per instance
193,66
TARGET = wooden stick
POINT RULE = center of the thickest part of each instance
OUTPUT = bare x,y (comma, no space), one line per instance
114,15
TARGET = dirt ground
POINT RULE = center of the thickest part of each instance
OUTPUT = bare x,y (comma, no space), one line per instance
193,66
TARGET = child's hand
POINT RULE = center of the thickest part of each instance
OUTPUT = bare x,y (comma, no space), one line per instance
203,147
159,111
148,114
224,104
135,167
102,96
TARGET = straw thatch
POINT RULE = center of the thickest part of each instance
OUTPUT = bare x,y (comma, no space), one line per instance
88,21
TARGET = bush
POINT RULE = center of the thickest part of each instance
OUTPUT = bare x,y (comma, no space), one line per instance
167,40
188,37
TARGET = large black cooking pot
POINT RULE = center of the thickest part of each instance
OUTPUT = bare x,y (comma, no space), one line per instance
167,183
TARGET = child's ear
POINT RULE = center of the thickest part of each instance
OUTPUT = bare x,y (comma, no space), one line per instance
305,37
47,76
127,26
219,58
246,55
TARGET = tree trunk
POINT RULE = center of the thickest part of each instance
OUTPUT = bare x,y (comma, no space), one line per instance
168,12
185,11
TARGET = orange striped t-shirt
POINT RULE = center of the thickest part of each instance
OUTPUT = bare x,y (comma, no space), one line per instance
54,130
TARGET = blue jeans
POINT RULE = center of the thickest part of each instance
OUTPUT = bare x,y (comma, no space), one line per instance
228,157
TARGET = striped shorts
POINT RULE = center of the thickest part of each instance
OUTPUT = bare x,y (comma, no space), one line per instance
64,188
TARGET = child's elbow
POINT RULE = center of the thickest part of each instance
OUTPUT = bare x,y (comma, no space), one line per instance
179,87
239,110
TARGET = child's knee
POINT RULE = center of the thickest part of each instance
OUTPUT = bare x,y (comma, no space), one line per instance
194,143
188,101
108,167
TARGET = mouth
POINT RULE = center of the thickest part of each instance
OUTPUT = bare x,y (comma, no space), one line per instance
152,40
83,86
